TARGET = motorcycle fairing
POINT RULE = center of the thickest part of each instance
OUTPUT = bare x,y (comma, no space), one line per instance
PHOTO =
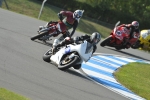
79,48
67,50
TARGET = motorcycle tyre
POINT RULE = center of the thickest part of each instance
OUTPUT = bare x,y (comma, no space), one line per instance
118,48
105,41
39,35
46,57
68,65
137,45
77,66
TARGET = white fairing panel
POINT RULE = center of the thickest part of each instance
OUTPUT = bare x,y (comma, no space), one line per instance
56,58
58,27
81,49
84,50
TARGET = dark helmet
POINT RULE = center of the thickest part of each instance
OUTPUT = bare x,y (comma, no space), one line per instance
135,24
95,38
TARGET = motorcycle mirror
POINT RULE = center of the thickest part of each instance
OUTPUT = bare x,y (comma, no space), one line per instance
117,23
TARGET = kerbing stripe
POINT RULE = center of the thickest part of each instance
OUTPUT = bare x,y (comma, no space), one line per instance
102,64
117,61
99,75
108,60
99,67
126,59
120,59
97,70
110,84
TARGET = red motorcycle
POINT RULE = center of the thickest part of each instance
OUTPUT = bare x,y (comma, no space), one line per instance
119,38
53,29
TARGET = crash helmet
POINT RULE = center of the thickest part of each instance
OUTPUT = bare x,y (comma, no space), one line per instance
95,38
78,14
135,24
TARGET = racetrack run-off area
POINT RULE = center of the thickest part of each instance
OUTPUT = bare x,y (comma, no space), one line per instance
101,67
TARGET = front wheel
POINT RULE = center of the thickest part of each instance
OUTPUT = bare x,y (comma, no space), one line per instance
47,55
105,41
77,66
67,62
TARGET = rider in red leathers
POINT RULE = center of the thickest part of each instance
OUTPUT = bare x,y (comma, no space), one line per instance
69,19
134,28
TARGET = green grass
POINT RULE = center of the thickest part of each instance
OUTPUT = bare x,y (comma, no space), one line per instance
8,95
32,8
136,77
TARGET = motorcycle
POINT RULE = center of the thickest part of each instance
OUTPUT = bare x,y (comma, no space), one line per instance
119,38
53,29
143,42
71,55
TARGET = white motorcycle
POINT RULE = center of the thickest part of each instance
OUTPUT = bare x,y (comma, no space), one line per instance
71,55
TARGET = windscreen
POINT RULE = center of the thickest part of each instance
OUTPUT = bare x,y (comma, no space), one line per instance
89,48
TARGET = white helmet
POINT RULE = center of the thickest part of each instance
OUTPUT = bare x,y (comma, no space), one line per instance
78,14
135,24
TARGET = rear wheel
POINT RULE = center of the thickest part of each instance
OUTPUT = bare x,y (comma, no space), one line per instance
39,35
118,48
136,45
67,62
105,41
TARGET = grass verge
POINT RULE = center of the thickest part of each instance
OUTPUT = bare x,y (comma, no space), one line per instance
136,77
8,95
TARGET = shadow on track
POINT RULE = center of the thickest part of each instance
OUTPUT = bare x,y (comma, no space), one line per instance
135,56
44,43
70,71
73,72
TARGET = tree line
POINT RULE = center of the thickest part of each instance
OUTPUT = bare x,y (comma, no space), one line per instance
110,11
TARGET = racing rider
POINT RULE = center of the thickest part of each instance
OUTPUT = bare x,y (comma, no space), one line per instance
134,28
69,19
93,39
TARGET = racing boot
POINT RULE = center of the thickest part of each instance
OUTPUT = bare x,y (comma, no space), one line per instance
56,42
42,27
53,50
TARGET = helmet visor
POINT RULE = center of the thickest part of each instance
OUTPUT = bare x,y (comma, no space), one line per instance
77,16
136,27
95,41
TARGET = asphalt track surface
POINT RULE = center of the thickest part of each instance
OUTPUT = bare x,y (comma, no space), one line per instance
23,71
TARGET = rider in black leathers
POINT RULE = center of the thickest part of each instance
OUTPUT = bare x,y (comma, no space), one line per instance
93,39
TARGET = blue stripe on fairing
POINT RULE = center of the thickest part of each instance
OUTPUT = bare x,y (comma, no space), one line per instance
110,61
102,64
110,84
85,66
